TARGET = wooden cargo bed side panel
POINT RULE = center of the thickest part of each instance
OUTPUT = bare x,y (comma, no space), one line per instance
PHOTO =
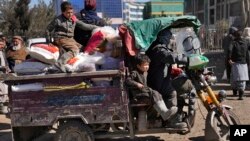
95,105
12,78
60,79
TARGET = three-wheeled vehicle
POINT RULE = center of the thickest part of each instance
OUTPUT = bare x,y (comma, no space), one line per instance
81,110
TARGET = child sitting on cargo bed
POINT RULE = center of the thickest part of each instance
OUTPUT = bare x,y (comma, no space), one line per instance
137,83
63,31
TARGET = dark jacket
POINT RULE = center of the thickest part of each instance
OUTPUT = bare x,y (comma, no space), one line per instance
226,44
89,17
136,77
160,67
238,51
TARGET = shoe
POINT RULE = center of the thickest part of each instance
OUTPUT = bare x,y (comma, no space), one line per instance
172,111
53,69
235,92
241,93
177,125
240,98
176,122
165,113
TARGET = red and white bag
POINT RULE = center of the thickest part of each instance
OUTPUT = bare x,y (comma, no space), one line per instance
80,63
45,53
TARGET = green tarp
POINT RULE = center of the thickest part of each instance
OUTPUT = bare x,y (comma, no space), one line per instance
145,32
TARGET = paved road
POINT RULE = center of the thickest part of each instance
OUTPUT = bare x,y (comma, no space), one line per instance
197,134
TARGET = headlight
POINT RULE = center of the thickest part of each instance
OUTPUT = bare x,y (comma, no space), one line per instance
222,95
211,79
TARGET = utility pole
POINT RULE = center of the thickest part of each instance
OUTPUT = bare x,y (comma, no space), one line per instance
206,22
247,11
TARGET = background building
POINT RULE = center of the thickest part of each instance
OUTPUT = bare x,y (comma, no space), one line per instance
211,11
111,9
163,8
77,4
132,11
216,16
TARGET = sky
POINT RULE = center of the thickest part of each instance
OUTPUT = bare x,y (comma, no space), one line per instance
33,2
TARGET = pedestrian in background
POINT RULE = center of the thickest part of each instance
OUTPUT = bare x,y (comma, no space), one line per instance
3,69
246,35
16,53
238,58
226,41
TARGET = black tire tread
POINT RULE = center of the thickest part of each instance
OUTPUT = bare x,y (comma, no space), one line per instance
83,128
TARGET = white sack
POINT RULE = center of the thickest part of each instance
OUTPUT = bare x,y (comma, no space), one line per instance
80,63
109,33
27,87
44,53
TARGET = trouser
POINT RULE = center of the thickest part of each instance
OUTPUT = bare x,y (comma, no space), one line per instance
238,85
156,96
182,85
68,44
3,92
12,63
68,49
169,95
228,69
153,95
171,99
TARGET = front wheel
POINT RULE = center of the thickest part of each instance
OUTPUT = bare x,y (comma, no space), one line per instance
216,128
74,131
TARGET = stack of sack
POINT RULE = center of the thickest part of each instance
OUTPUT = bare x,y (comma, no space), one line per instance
106,40
100,50
43,56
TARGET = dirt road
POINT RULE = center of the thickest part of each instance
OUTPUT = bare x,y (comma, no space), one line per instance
197,134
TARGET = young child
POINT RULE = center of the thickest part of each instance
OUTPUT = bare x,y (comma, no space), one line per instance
63,31
138,84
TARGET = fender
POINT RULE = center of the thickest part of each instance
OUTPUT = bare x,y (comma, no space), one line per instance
227,107
210,130
68,117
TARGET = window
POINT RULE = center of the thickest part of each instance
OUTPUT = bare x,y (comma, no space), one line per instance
211,2
211,18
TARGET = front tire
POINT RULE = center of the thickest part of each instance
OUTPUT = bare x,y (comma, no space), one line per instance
216,128
74,130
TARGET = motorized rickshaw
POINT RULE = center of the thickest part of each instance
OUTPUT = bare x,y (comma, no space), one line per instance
78,110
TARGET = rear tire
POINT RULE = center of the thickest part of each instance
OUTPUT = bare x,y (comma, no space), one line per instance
74,130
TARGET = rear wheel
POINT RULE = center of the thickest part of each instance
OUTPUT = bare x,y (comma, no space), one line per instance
217,127
74,131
